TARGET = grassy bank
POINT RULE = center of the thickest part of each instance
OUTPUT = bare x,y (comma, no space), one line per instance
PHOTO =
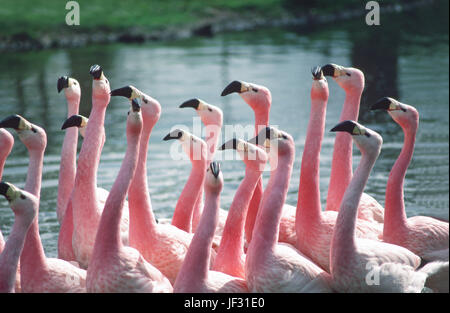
24,20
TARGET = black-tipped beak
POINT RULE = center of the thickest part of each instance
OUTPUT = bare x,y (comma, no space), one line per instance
230,144
96,71
73,121
215,168
135,105
345,126
63,82
328,70
317,72
126,92
173,135
381,104
12,121
4,188
193,103
234,86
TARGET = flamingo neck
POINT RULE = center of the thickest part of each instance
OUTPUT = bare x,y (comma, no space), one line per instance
395,218
195,268
33,258
261,120
265,232
9,258
182,216
341,166
142,220
343,241
108,240
67,169
231,249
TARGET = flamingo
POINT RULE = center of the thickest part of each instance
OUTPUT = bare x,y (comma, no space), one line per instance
271,266
162,245
195,148
24,205
212,118
86,207
230,257
114,267
37,272
7,143
315,227
352,81
364,265
259,99
425,236
194,275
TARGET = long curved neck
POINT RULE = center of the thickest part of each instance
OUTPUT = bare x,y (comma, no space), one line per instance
33,257
341,166
343,240
108,240
9,257
142,219
194,270
394,215
309,207
67,169
183,213
265,233
232,242
261,120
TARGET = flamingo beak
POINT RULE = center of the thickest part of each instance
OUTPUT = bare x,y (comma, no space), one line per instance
135,105
230,144
259,140
173,135
8,190
215,168
96,71
63,82
351,127
75,120
234,86
193,103
126,92
381,104
16,122
317,73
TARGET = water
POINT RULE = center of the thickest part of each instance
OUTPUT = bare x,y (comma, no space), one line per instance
404,58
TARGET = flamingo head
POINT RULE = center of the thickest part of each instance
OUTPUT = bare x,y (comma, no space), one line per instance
209,114
71,88
214,177
100,85
319,89
256,96
367,140
193,146
253,156
134,119
32,136
151,108
405,115
348,78
76,120
23,203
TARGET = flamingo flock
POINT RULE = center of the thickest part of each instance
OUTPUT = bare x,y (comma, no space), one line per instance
111,241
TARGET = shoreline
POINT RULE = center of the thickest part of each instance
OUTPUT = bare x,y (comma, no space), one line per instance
226,22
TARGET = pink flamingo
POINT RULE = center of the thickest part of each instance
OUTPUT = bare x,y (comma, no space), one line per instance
363,265
230,257
114,267
259,99
194,275
86,207
163,245
315,227
24,206
425,236
352,81
212,118
37,272
195,148
270,266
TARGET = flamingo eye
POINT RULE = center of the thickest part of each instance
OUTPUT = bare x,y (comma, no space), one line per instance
33,130
255,90
22,197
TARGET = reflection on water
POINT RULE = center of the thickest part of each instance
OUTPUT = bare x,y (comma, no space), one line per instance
399,59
